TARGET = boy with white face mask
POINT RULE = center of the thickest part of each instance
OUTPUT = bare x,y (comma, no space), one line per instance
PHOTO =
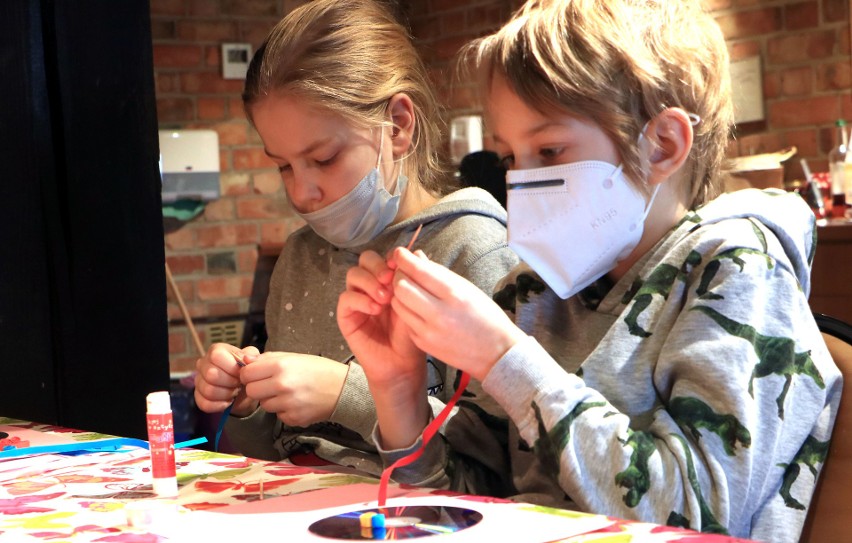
657,358
345,109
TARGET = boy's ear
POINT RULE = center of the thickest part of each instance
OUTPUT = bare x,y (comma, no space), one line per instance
402,115
670,137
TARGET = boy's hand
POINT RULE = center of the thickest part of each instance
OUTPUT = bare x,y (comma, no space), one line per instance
449,317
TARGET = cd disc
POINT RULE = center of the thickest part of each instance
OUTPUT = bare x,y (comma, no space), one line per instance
396,523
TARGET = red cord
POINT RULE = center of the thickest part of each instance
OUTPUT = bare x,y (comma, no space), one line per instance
428,432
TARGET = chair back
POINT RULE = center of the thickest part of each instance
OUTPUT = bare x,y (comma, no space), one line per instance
830,512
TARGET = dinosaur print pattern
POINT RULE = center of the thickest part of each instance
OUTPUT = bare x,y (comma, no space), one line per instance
692,415
549,445
813,452
660,282
715,263
776,355
708,519
636,477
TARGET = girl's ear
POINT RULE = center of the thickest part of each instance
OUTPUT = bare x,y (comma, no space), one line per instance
669,136
402,115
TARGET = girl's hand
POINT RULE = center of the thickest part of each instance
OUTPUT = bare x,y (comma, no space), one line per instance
449,317
217,380
300,389
379,339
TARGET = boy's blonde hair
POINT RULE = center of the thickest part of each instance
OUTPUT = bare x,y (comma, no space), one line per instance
350,57
619,63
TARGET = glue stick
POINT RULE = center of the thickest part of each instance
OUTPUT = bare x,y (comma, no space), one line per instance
161,439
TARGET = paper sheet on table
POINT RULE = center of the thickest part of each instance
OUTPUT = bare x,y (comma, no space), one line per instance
291,516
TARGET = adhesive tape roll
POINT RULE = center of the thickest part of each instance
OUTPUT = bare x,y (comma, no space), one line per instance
145,513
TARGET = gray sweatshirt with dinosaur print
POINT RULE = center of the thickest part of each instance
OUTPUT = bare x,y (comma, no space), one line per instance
696,391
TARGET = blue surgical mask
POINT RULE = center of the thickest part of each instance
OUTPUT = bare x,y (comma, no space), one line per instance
362,213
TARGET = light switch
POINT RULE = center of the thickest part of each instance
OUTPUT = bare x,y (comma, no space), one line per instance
235,60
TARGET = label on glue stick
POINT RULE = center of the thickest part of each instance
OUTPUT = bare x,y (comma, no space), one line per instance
162,444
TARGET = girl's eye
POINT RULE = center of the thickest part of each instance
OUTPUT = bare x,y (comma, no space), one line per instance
327,161
507,162
284,168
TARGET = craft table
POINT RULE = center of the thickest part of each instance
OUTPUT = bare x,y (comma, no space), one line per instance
88,496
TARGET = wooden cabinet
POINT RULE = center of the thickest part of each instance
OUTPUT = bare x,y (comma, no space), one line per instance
831,276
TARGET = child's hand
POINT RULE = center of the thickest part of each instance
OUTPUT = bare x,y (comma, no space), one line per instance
300,389
449,317
217,380
379,340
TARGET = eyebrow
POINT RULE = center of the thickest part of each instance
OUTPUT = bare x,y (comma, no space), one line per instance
532,131
307,150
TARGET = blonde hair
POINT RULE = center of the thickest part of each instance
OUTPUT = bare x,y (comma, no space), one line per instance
350,57
619,63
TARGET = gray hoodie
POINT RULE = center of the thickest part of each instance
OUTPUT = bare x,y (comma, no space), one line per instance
696,391
465,231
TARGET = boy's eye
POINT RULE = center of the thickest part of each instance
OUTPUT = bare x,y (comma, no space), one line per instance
551,152
507,162
284,168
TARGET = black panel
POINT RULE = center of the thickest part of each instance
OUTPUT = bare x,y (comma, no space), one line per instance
86,295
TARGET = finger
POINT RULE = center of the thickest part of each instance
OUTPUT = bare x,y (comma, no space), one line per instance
413,304
433,277
360,279
377,266
353,309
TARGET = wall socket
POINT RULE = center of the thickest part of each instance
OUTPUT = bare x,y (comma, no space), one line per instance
235,60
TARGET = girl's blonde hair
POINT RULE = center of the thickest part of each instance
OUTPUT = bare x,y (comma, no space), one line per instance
350,57
619,63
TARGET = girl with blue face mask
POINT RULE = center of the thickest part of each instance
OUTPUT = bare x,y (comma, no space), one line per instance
654,357
345,110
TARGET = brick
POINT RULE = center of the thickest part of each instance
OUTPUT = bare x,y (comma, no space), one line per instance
247,260
267,182
799,47
180,239
251,8
744,49
186,289
211,109
227,235
276,233
195,310
170,110
835,11
168,7
177,341
185,264
182,364
446,48
162,29
797,81
745,24
261,207
834,77
209,82
232,133
166,83
256,32
177,56
227,309
251,159
804,140
206,31
213,57
234,183
236,111
818,110
203,8
222,288
801,15
220,210
772,85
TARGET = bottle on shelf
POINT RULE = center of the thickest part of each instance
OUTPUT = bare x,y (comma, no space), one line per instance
840,168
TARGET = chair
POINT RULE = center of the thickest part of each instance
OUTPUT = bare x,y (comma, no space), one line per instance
830,511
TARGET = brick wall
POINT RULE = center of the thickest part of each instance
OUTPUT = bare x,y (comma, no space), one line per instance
221,259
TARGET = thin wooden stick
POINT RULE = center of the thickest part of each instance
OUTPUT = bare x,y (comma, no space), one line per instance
185,312
414,237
